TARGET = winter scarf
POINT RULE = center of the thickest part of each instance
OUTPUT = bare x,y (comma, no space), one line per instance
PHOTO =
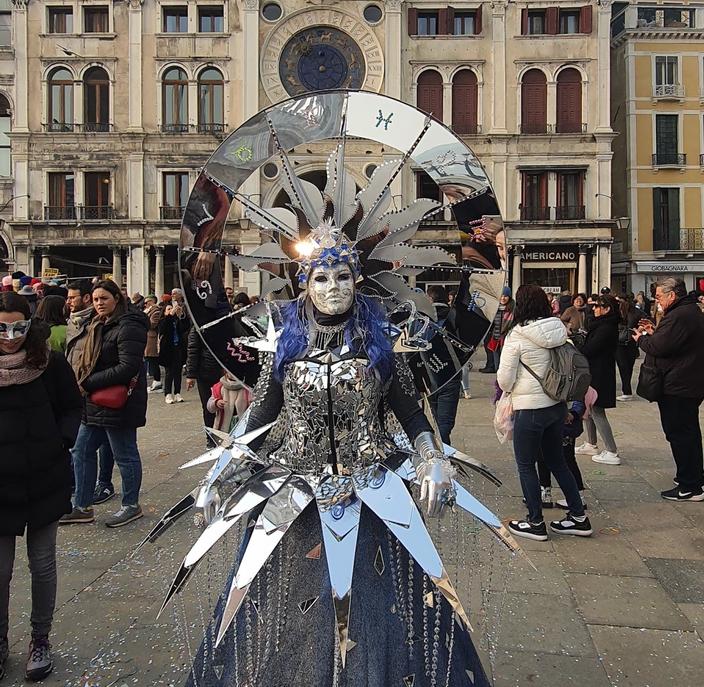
14,370
94,341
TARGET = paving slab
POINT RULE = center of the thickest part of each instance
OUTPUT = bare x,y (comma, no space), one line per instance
627,601
524,669
682,579
606,554
649,658
669,542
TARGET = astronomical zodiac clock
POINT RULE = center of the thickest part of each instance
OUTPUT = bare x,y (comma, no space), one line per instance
316,50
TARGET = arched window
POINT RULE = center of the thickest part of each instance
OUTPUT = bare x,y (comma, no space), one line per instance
534,103
175,101
430,93
96,100
569,101
464,102
211,107
5,125
60,114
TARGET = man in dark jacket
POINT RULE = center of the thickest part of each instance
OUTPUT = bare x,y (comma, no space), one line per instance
676,349
203,370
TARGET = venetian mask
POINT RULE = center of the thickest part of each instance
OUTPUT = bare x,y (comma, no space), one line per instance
331,289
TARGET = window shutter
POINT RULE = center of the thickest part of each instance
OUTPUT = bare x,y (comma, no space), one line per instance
478,21
464,102
443,23
450,21
551,16
534,97
430,93
585,19
412,21
524,22
569,101
673,219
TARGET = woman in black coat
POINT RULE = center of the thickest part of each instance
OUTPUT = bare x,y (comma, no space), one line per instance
111,374
627,349
40,412
173,343
600,350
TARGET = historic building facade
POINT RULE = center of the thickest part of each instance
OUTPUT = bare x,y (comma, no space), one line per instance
658,91
116,104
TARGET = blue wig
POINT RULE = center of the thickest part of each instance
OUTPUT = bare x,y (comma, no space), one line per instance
365,334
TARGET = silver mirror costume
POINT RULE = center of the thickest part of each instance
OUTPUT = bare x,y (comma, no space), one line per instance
337,581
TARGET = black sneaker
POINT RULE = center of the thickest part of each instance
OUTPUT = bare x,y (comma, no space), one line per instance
523,528
103,493
39,662
125,515
78,515
568,525
677,494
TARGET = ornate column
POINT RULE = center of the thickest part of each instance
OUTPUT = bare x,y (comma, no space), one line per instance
603,90
552,105
582,270
604,265
392,49
516,269
159,271
135,65
146,280
46,262
447,103
19,38
117,265
499,86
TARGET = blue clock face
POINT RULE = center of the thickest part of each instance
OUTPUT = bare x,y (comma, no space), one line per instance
321,58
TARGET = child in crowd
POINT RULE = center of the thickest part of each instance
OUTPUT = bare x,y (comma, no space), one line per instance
572,429
229,398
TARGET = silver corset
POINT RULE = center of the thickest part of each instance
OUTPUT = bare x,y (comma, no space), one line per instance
332,416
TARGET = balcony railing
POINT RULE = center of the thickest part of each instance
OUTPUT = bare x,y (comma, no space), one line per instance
668,90
468,130
171,212
535,214
535,128
95,127
96,212
669,159
59,212
59,127
174,128
211,128
571,128
569,212
692,238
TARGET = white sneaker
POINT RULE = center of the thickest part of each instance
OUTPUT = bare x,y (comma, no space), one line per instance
587,449
607,457
155,386
625,397
169,399
178,398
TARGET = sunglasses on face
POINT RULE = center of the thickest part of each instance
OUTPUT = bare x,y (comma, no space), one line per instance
14,330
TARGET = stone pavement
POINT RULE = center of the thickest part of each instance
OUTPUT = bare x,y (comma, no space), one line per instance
623,609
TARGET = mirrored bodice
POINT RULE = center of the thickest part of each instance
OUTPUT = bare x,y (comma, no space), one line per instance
332,416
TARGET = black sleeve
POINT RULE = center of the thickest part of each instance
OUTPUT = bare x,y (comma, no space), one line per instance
268,401
598,341
131,341
66,399
193,354
403,400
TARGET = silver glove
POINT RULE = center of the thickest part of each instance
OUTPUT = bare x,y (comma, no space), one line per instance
434,473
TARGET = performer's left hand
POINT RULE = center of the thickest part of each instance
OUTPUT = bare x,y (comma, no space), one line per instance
435,477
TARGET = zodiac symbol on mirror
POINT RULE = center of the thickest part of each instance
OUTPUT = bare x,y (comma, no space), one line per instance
380,118
204,289
244,153
476,302
238,352
208,217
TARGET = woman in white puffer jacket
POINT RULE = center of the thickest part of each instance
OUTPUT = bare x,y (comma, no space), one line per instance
538,419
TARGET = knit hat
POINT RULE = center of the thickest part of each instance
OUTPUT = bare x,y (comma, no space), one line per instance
7,281
25,281
506,291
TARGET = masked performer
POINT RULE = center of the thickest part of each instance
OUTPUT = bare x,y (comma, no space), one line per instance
337,581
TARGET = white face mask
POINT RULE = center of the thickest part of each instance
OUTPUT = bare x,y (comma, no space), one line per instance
331,289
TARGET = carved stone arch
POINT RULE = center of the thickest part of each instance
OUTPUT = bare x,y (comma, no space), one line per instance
95,63
49,69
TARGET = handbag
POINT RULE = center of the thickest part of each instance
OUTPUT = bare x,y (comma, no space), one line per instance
651,382
114,397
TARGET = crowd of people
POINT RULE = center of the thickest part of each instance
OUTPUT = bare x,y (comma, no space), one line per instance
74,366
609,331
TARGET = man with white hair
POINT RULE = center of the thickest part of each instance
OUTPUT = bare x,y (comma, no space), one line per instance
676,350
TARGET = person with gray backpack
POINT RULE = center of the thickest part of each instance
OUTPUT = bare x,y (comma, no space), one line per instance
541,371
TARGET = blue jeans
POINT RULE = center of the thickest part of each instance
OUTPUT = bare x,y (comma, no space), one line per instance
443,403
536,431
123,442
106,463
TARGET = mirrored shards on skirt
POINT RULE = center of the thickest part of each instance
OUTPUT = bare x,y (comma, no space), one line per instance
284,634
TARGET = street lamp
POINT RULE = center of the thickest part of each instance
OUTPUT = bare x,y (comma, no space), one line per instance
9,200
